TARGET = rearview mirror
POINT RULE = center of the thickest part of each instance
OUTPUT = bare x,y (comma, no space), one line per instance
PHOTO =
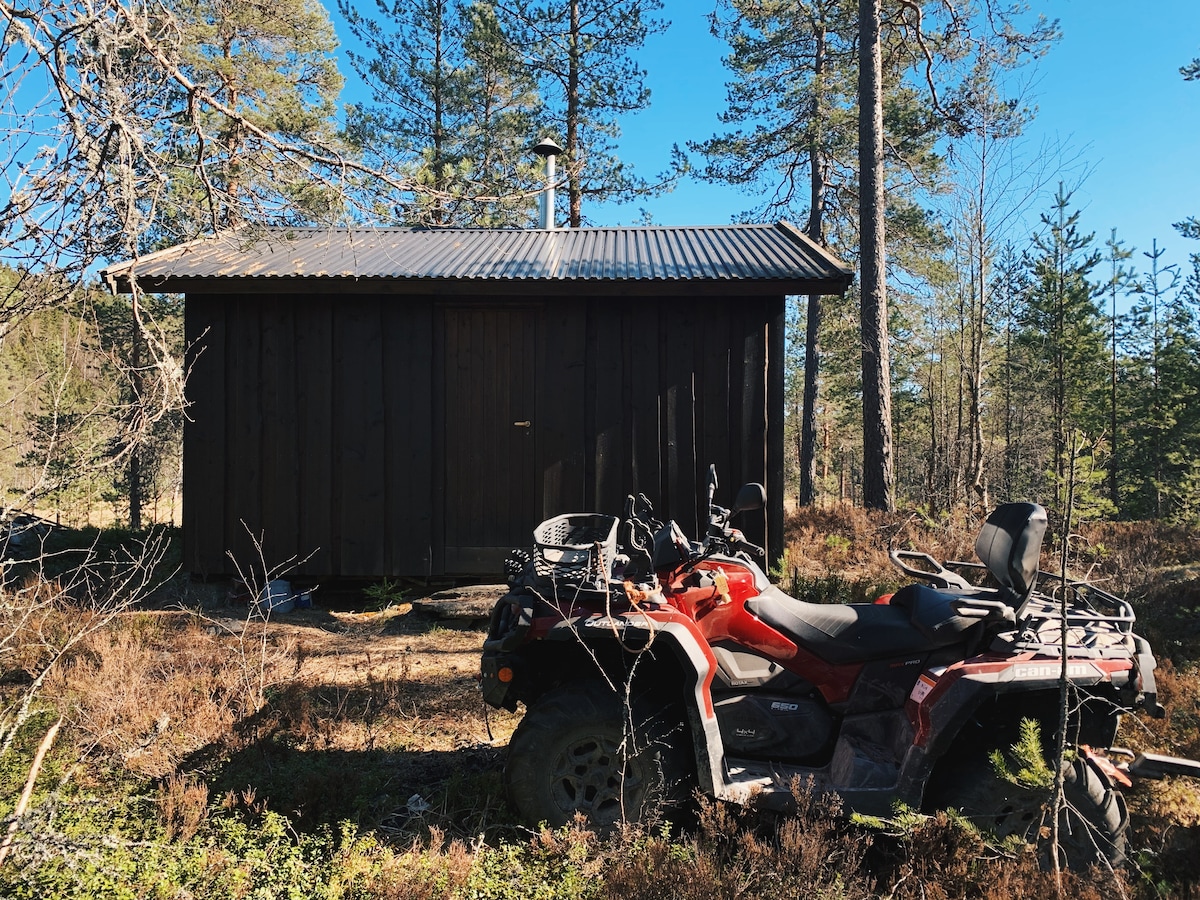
750,496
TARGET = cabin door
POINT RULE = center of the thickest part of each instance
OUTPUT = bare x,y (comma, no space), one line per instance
490,434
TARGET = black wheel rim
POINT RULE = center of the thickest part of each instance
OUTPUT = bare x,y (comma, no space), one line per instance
591,775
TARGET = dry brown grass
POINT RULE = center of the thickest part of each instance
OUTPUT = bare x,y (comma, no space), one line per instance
814,852
853,543
183,806
329,714
38,618
153,688
320,715
156,686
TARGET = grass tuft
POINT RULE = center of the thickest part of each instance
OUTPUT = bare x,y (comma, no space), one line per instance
346,754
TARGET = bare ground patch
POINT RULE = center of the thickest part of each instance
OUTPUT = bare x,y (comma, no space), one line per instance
320,714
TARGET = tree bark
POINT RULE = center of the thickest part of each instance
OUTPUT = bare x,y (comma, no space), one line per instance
878,466
981,241
574,112
135,461
808,416
812,338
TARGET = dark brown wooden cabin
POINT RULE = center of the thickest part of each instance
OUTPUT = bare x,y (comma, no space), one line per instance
413,402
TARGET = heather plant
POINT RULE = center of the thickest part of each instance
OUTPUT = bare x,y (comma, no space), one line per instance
207,753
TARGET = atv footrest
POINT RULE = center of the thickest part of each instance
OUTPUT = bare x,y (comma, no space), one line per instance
1154,765
770,786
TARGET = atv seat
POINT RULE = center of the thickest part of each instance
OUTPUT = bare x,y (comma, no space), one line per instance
917,620
920,618
1010,546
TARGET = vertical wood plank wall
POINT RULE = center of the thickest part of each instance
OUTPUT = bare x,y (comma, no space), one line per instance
318,423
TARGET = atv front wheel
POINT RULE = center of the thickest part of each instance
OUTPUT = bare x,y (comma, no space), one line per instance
581,748
1092,823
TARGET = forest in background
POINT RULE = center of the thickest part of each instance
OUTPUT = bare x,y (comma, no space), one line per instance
158,738
1018,361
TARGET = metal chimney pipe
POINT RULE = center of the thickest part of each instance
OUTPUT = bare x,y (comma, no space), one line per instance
548,150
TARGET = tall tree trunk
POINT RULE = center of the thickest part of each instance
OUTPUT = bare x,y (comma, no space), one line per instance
979,236
1060,369
1010,435
574,186
135,490
229,214
808,416
1114,493
440,214
135,463
957,466
878,466
933,491
812,337
1156,397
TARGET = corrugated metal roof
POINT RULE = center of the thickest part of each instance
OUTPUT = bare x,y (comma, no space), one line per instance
777,253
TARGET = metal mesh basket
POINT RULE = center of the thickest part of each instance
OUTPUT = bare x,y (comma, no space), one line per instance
577,548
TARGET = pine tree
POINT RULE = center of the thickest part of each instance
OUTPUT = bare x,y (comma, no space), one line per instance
582,54
162,121
1011,288
958,50
992,186
273,65
1120,282
453,106
145,430
792,140
56,424
1191,71
1178,419
1062,332
504,114
792,79
878,464
790,106
1169,429
1157,330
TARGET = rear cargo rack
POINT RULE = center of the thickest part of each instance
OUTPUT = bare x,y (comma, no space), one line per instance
1098,623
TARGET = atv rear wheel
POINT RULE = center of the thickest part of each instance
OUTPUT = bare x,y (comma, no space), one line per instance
575,752
1092,824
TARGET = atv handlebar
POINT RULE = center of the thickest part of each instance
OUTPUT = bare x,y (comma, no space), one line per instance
643,531
738,541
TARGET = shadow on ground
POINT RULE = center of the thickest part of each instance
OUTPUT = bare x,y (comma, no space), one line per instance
275,760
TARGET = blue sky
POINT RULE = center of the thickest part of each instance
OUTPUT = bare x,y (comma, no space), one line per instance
1110,90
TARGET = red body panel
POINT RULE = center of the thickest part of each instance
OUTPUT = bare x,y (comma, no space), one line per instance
718,619
659,615
932,687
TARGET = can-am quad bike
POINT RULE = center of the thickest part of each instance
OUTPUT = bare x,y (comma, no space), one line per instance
651,665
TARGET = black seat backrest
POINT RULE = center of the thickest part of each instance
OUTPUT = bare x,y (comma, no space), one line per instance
1010,544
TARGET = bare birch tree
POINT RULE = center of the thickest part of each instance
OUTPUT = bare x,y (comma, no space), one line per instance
131,124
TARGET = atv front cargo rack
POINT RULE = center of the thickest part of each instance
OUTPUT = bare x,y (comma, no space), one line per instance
576,549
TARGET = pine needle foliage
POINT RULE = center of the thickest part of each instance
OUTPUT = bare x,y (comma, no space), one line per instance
1025,762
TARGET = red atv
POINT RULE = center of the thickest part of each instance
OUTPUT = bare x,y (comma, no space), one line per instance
651,665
